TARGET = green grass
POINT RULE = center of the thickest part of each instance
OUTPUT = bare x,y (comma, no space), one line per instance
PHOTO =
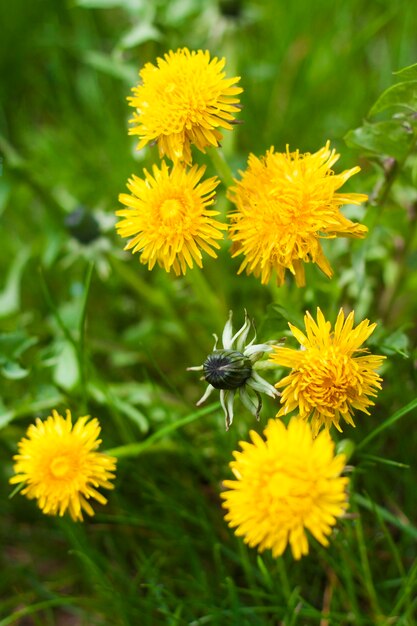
85,326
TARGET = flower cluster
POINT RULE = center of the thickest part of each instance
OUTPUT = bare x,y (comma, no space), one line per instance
285,203
182,101
291,482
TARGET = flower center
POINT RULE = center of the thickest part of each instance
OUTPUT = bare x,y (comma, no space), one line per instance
292,493
171,210
330,378
61,466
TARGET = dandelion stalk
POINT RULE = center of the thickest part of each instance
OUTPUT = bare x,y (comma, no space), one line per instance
221,166
377,201
135,449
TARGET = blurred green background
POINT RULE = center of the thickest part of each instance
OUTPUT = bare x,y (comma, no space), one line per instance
160,552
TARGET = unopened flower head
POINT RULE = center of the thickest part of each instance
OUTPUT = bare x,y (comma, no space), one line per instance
285,485
285,204
331,375
230,370
184,100
169,218
58,465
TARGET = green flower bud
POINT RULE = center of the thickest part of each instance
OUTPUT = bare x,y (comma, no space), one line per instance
346,447
227,369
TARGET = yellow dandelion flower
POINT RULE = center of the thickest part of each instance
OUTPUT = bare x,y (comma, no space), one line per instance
59,465
285,203
183,101
285,485
331,375
168,217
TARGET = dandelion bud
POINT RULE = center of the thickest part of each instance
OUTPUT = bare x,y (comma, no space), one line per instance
230,370
227,369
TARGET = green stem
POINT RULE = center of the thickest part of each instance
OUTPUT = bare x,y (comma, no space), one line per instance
378,200
389,422
392,519
405,594
134,449
283,576
207,296
55,312
78,346
31,609
367,575
221,165
21,168
158,300
392,294
81,333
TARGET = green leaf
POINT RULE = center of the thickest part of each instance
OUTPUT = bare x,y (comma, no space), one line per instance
10,295
396,343
5,418
413,162
12,371
134,449
409,72
66,373
388,423
132,413
103,4
50,399
402,95
139,34
111,66
12,345
388,138
5,190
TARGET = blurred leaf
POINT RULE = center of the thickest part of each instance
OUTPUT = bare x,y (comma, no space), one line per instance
397,343
50,399
110,65
413,171
139,34
13,371
110,395
110,4
276,321
388,138
132,413
66,372
383,461
5,418
10,295
402,95
409,72
5,190
12,345
178,11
